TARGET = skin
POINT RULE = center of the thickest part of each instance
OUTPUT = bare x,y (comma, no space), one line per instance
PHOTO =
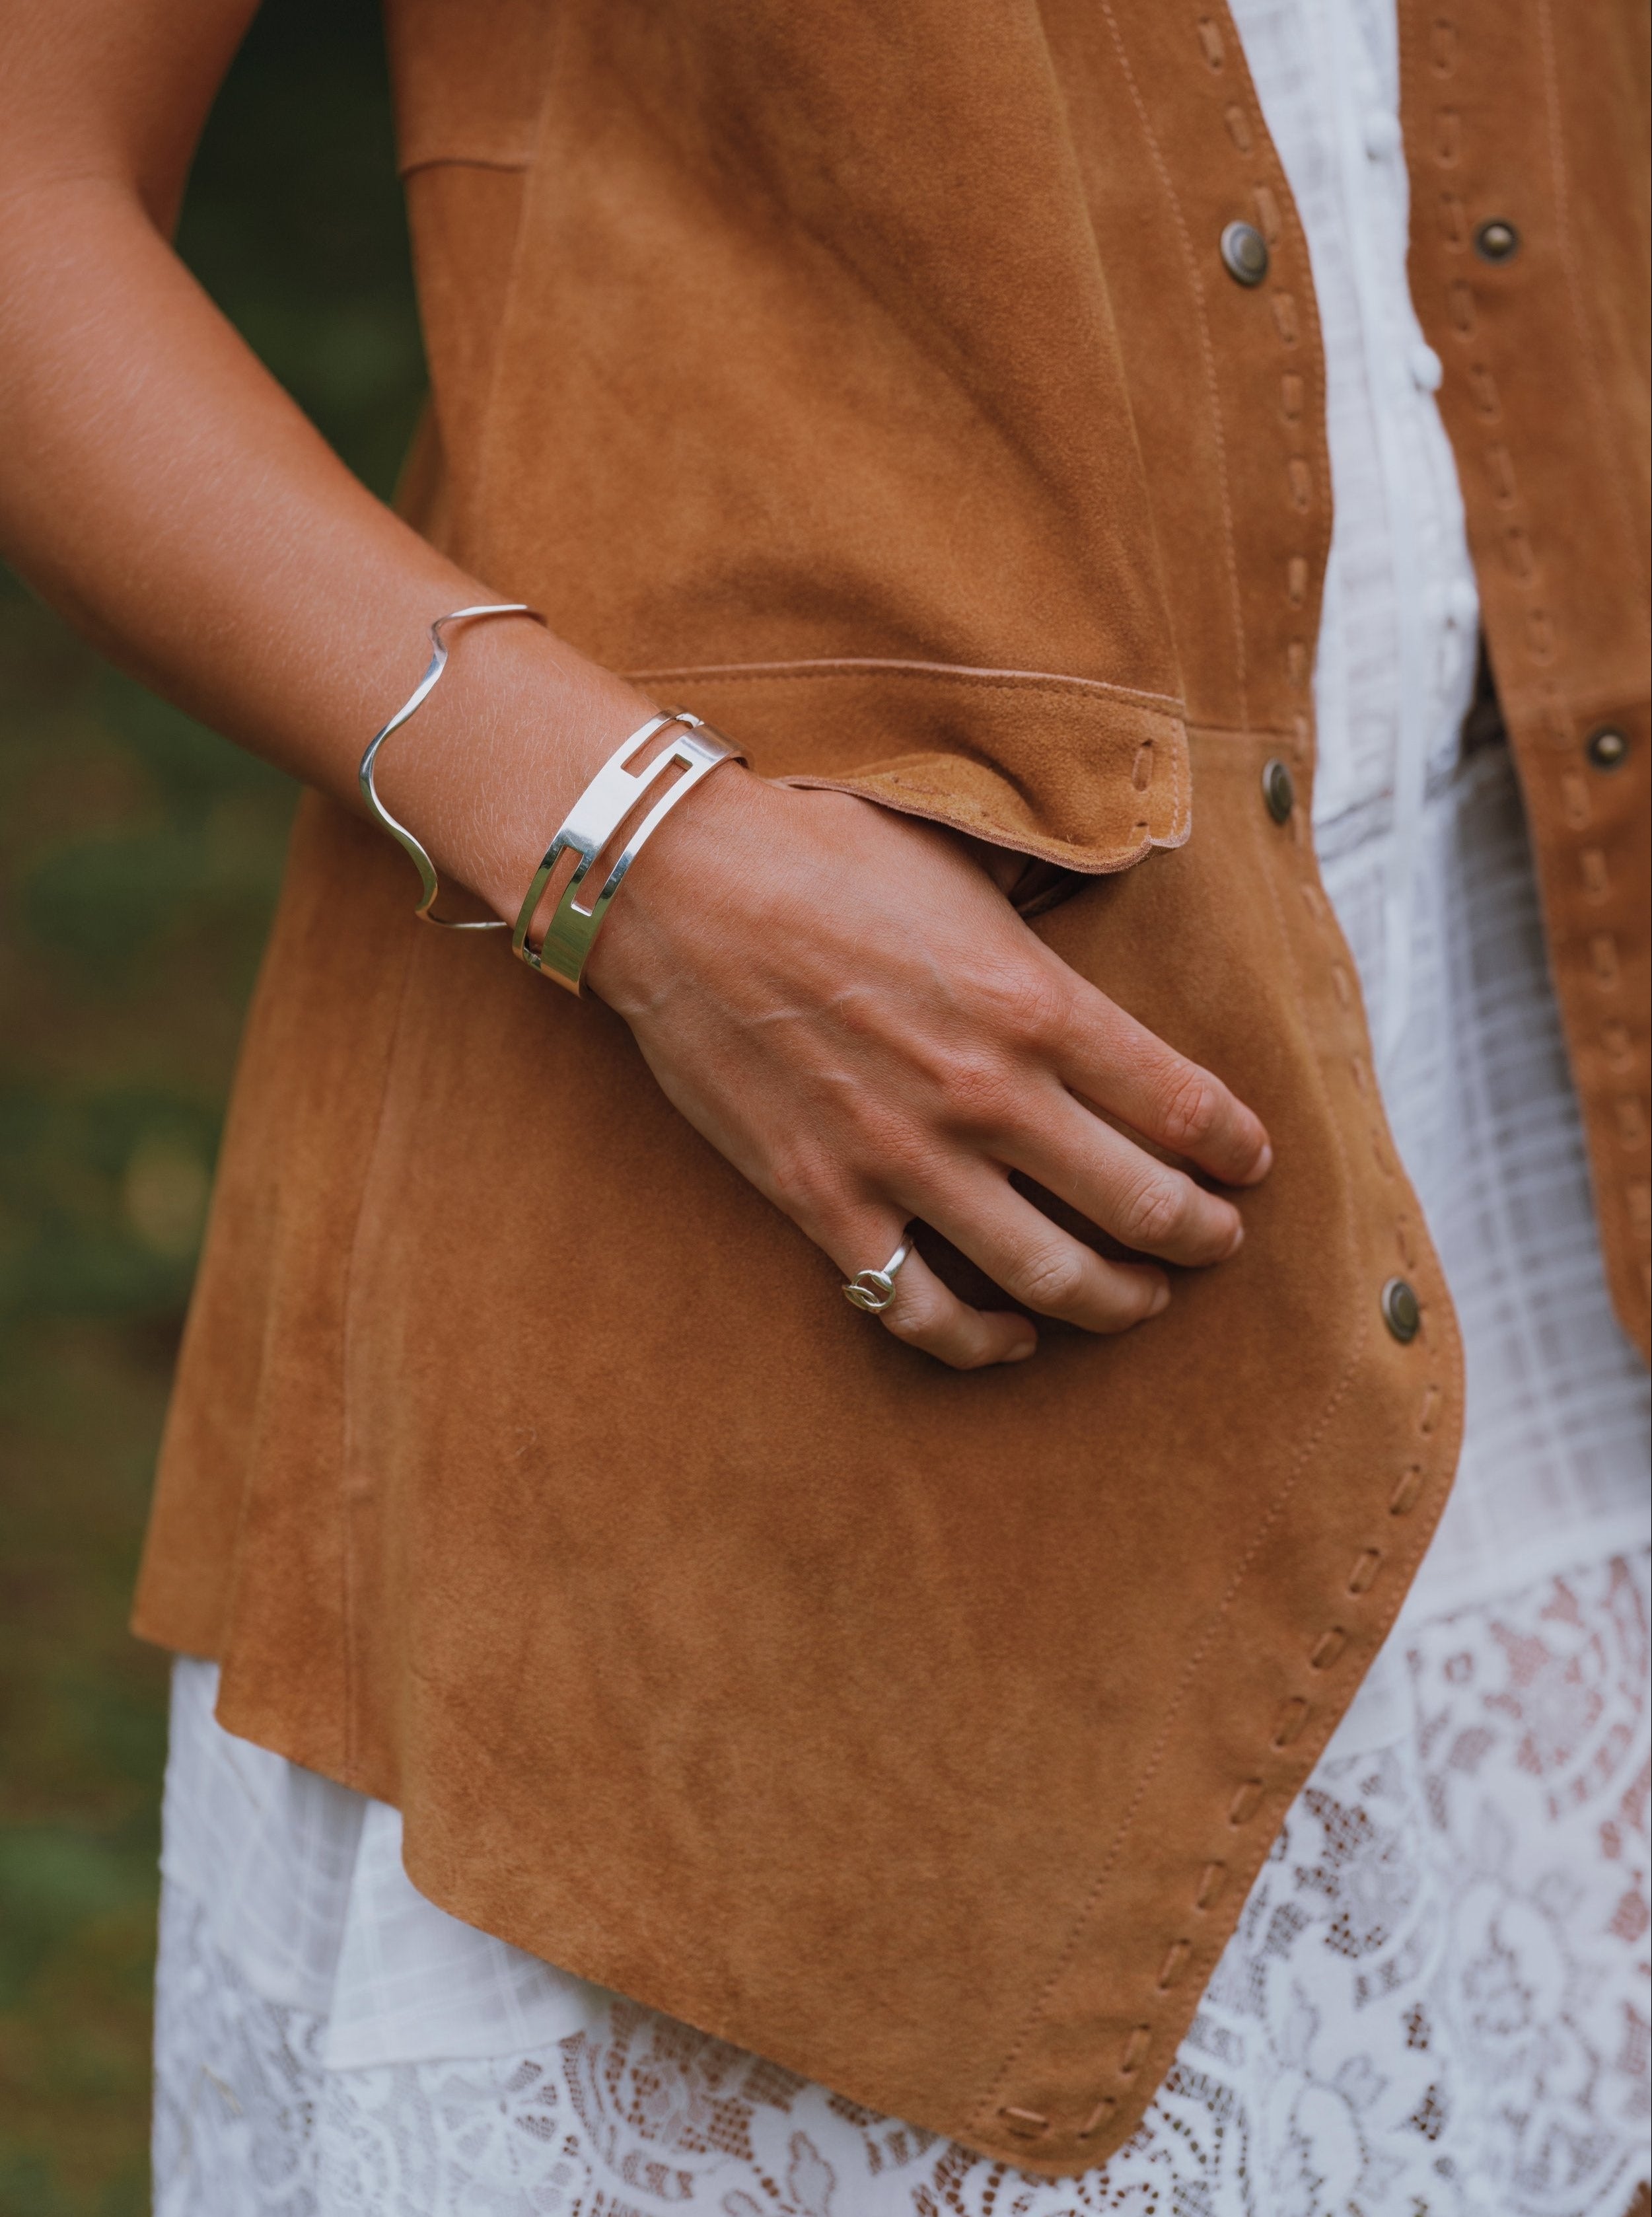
788,962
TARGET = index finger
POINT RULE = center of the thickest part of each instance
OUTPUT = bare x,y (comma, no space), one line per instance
1110,1058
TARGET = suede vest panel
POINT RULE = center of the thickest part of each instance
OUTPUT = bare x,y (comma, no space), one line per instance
1534,116
871,376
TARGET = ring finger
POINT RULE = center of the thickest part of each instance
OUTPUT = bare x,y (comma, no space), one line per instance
929,1316
1036,1262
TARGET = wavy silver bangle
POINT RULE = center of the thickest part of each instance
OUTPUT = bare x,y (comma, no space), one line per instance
611,796
415,701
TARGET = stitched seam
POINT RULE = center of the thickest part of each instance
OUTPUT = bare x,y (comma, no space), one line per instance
1314,1742
1093,862
1293,1720
1016,680
1041,2003
1590,704
1297,1710
1091,693
1299,652
1039,2007
944,793
1182,769
738,672
1615,477
1207,349
1291,732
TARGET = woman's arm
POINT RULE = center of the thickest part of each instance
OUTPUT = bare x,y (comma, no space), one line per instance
159,488
790,962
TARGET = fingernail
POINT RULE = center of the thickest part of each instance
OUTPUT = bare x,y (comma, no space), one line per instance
1264,1161
1021,1349
1237,1240
1161,1300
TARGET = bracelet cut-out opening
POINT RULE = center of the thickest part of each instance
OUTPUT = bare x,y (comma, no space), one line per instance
660,764
620,808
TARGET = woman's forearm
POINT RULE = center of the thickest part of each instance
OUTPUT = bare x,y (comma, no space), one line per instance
159,487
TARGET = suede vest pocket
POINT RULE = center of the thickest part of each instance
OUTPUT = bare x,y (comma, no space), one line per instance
1085,775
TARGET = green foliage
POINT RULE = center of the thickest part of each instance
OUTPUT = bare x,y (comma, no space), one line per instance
139,858
293,223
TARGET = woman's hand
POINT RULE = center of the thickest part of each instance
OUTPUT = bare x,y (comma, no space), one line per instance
845,1004
840,999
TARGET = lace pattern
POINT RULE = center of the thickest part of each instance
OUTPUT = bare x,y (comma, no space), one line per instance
1435,2005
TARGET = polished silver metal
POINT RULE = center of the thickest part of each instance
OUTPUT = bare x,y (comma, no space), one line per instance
1608,748
589,827
428,880
873,1290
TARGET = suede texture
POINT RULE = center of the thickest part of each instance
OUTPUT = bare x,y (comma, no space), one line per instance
869,379
1536,114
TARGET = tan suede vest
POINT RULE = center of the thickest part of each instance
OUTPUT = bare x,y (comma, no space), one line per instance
869,376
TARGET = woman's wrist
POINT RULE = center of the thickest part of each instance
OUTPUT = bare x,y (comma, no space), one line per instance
727,848
727,832
499,753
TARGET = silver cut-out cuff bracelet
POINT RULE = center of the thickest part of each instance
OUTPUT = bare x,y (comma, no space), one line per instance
613,796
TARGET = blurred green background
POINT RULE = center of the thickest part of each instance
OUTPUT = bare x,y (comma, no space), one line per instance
140,856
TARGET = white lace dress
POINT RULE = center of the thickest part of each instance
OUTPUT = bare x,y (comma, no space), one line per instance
1436,2002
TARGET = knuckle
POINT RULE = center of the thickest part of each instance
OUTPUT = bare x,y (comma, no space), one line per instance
883,1145
912,1317
980,1091
1156,1210
808,1185
1027,1004
1192,1108
1129,1309
1051,1280
900,1156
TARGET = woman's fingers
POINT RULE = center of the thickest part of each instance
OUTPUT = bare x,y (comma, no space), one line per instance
1036,1262
928,1315
1145,1203
1107,1057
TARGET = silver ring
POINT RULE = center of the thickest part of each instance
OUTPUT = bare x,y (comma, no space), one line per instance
873,1290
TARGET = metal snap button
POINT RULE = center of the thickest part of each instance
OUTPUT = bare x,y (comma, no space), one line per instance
1279,789
1497,240
1608,748
1401,1312
1244,253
